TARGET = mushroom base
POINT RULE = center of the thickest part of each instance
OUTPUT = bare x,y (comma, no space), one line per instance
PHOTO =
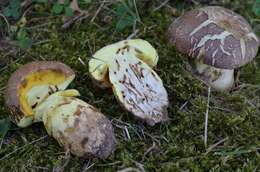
219,79
76,125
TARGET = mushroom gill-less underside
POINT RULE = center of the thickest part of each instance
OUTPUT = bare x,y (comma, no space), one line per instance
136,86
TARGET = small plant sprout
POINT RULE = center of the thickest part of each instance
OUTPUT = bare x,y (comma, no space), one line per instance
36,93
126,66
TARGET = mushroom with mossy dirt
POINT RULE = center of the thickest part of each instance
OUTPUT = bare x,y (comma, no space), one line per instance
126,66
217,40
36,93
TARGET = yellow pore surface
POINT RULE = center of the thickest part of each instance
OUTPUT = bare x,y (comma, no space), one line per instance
43,77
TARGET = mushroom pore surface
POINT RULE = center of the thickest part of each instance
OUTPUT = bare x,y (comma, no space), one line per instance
31,84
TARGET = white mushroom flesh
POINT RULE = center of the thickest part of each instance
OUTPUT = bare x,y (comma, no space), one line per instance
138,88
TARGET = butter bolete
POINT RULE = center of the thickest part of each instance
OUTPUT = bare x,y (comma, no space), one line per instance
126,66
36,93
217,40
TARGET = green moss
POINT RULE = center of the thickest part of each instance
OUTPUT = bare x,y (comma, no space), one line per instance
176,145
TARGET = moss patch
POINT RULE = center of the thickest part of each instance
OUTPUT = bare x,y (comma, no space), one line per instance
174,146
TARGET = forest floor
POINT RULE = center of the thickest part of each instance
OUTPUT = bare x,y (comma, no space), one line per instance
177,145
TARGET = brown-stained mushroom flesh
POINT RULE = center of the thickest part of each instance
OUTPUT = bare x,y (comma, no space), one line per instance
217,40
126,66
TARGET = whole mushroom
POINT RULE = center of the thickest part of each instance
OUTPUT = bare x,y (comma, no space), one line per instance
217,40
126,66
36,93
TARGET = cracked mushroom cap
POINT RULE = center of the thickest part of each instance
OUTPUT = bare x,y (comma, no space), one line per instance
76,125
126,67
218,36
31,84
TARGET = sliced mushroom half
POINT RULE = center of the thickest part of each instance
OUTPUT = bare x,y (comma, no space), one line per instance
126,66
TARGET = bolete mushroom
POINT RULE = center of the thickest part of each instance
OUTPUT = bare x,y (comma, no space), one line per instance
126,66
76,125
217,40
36,92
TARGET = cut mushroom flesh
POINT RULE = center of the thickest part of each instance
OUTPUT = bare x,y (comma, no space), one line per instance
136,86
98,65
37,86
34,89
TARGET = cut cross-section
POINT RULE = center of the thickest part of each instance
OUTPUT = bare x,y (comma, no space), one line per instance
126,66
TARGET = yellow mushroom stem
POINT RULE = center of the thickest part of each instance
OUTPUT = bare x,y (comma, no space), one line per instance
76,125
219,79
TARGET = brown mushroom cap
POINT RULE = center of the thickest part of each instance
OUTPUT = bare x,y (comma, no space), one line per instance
217,36
20,80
